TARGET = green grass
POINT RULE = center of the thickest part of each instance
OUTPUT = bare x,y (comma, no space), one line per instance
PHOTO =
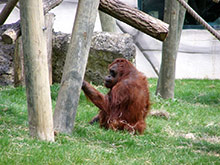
190,136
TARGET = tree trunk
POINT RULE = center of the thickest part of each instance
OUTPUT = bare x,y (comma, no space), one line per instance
7,10
36,70
75,64
18,54
136,18
18,64
108,23
174,15
49,20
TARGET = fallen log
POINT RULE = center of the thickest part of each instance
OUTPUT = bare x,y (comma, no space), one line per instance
11,34
136,18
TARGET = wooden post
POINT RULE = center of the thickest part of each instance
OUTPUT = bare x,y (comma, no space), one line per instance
18,54
108,23
174,15
75,64
18,64
36,70
49,20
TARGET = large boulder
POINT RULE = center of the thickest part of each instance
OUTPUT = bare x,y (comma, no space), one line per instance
105,47
59,51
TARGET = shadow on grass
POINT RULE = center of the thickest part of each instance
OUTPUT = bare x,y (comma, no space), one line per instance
211,98
198,91
207,147
201,146
12,116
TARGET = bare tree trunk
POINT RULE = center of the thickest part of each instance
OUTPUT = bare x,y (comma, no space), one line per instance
108,23
18,64
7,10
74,68
18,54
174,15
36,70
49,20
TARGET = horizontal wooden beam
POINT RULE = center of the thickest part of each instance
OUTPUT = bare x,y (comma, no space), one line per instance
135,18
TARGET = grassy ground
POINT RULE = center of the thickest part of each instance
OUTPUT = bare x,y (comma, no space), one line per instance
190,136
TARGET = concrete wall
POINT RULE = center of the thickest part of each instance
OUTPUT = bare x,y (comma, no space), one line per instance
198,55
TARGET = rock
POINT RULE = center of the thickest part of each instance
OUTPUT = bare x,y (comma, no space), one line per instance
6,66
160,113
105,47
59,51
6,61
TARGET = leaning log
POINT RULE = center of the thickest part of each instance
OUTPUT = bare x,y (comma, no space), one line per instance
136,18
11,34
75,65
50,4
7,10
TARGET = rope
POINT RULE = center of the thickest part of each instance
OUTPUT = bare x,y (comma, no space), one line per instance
199,19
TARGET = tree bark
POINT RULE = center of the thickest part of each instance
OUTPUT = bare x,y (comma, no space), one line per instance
7,10
36,70
50,4
108,23
49,20
18,64
18,55
11,34
136,18
174,15
75,64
